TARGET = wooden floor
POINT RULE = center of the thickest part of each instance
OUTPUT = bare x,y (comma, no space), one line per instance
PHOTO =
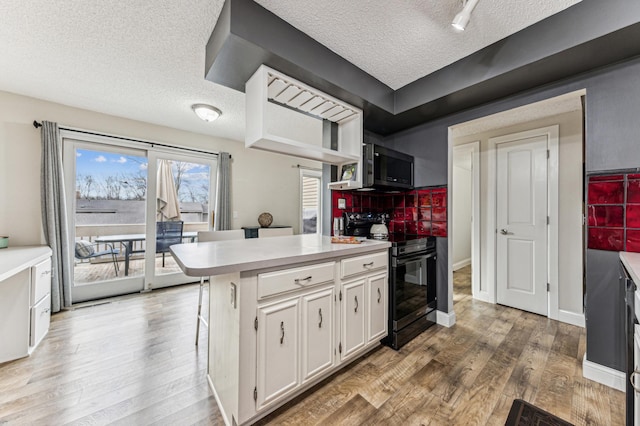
133,362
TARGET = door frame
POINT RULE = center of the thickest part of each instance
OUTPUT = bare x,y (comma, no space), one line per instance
151,150
553,139
473,148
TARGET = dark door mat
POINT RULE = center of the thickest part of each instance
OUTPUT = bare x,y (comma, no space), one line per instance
524,414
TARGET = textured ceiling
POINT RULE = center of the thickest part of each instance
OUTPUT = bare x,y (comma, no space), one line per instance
399,41
144,60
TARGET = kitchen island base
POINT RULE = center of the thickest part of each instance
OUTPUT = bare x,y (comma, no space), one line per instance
274,333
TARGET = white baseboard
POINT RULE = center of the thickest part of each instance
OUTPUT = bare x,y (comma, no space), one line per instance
446,318
571,318
461,264
607,376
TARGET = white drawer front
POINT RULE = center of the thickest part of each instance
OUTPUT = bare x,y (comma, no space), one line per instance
360,264
40,280
40,318
294,279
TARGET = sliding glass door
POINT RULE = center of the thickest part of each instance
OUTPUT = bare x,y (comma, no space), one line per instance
184,188
126,207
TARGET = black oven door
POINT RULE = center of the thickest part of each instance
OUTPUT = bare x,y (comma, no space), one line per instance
413,288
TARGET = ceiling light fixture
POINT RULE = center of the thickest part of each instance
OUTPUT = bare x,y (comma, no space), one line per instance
462,18
206,112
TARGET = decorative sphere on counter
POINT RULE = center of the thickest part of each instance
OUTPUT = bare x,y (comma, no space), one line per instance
265,219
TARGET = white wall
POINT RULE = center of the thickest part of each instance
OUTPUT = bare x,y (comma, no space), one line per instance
261,181
570,203
461,210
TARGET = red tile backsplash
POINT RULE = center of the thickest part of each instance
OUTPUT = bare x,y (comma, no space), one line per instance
606,239
633,191
606,193
633,240
419,211
613,212
609,216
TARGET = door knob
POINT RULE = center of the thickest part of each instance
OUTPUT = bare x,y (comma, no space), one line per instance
504,232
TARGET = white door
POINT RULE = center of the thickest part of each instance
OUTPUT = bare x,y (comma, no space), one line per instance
521,219
353,318
317,333
277,351
377,312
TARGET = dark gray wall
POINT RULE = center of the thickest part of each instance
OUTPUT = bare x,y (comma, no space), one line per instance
612,142
605,310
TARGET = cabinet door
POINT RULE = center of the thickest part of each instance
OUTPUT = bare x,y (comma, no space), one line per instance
277,370
353,317
40,280
317,333
377,287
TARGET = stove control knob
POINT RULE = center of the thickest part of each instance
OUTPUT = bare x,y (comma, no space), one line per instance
357,216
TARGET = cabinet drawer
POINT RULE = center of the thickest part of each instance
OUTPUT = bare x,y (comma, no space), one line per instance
360,264
294,279
40,318
40,280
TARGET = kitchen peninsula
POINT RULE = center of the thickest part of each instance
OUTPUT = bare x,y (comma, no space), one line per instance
285,313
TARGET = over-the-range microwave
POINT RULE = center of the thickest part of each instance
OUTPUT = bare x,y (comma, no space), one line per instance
384,168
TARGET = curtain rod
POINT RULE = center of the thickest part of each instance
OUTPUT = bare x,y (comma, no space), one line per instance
36,125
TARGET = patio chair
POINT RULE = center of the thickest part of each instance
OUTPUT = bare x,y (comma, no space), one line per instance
203,237
87,250
168,234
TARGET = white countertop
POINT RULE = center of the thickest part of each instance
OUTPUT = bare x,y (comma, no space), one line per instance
16,259
631,261
222,257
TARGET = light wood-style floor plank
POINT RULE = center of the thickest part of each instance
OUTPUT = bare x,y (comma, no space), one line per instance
132,361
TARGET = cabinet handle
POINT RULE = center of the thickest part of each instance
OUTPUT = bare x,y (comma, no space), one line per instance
379,295
45,311
282,330
356,309
631,379
299,280
320,313
367,265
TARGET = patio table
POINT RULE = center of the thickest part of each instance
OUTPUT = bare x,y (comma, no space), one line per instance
127,241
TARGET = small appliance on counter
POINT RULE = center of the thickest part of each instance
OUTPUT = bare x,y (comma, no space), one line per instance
379,231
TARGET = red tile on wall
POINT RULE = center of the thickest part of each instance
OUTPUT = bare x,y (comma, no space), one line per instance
410,199
601,178
439,197
606,216
606,239
633,191
411,228
439,229
439,214
396,227
424,197
633,241
633,215
606,193
424,214
410,214
424,227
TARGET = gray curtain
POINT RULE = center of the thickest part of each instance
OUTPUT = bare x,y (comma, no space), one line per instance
223,193
54,215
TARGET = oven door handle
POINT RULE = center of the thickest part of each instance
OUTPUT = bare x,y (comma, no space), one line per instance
396,261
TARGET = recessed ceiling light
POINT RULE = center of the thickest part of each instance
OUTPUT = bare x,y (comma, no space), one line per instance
206,112
462,18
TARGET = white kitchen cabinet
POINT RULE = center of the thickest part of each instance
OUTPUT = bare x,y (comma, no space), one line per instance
275,332
353,318
377,312
277,350
317,333
25,300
